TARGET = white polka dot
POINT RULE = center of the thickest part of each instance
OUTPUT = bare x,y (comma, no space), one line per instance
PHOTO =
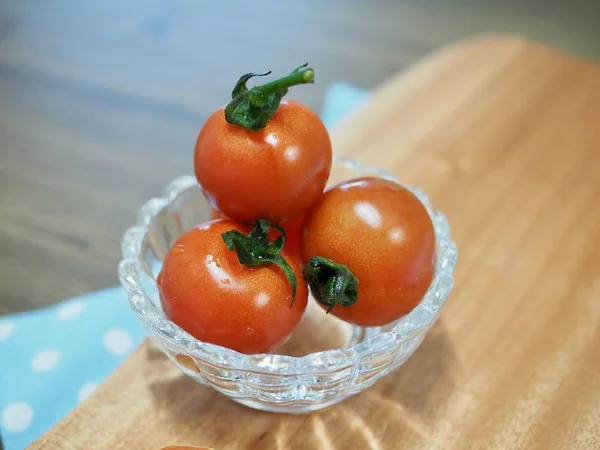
6,329
46,360
69,311
86,390
117,341
17,417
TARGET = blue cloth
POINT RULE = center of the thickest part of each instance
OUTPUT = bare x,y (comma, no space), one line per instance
341,99
51,359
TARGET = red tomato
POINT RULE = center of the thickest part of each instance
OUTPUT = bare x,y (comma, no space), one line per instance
275,173
384,235
210,294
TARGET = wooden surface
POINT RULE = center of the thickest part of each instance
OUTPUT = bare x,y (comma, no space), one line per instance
101,100
503,135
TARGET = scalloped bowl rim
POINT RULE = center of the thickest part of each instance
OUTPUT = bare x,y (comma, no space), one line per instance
225,358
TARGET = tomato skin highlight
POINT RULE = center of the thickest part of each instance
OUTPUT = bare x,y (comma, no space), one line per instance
206,291
276,173
384,235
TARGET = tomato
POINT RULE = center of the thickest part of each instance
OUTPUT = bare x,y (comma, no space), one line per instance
383,234
207,291
275,173
275,169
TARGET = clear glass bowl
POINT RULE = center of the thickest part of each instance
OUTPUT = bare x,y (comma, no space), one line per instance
325,361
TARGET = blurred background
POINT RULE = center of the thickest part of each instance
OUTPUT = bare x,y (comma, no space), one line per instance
101,101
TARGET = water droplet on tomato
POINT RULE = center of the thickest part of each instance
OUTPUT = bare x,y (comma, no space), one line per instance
218,273
271,139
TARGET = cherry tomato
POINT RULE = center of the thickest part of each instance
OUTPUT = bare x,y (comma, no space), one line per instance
275,173
383,234
210,294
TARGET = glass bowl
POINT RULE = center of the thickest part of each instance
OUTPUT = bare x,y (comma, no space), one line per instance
325,361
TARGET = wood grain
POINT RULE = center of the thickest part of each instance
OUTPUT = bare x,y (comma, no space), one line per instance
502,134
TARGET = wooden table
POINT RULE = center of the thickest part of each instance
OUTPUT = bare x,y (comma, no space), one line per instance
503,135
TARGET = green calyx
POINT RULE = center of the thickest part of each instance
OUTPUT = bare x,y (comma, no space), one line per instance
331,283
254,249
253,108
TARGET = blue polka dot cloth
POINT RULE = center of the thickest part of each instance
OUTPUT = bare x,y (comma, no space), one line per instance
53,358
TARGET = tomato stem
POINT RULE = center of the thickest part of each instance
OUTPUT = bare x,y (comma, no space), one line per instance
331,283
254,249
253,108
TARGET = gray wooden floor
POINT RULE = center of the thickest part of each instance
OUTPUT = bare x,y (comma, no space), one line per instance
101,101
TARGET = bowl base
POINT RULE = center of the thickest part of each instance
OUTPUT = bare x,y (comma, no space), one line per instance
293,408
318,331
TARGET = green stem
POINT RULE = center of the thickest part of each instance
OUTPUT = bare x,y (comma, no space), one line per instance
253,108
331,283
254,249
301,75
